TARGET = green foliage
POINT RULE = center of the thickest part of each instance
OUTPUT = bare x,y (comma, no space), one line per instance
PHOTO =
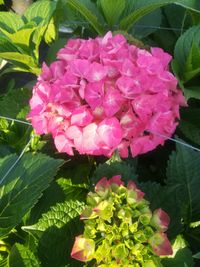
20,37
21,186
187,53
55,231
39,215
190,124
112,10
85,12
143,7
21,256
183,179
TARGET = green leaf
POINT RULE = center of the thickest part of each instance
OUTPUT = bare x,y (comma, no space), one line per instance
183,178
142,29
40,12
58,216
182,258
12,103
192,92
51,32
187,53
21,256
112,10
71,189
10,22
109,169
56,230
143,7
190,124
22,185
54,48
87,14
1,2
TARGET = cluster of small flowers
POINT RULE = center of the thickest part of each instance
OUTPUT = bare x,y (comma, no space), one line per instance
120,229
104,95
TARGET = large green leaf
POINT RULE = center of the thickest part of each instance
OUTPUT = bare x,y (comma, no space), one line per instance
190,124
56,231
40,12
192,92
21,256
10,22
12,103
143,7
21,185
187,53
183,178
87,14
112,10
58,216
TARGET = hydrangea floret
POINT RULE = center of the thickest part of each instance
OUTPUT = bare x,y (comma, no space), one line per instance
105,94
120,229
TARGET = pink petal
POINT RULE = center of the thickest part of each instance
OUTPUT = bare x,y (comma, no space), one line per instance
129,87
160,244
83,249
160,220
116,180
110,132
79,67
96,72
94,94
102,184
81,116
63,144
112,102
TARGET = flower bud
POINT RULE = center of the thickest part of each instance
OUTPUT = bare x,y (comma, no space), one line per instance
160,244
83,249
160,220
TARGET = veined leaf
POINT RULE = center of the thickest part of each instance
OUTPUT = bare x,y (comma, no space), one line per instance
22,37
25,62
86,13
58,216
21,186
183,178
56,230
112,10
21,256
51,32
40,12
10,22
143,7
186,53
6,45
12,103
190,124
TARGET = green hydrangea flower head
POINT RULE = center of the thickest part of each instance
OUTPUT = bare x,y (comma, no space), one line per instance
120,229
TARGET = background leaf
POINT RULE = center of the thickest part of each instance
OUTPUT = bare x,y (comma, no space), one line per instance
112,10
143,7
21,187
56,231
187,53
183,178
21,256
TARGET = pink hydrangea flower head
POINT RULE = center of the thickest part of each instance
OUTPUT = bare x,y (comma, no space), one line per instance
105,94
